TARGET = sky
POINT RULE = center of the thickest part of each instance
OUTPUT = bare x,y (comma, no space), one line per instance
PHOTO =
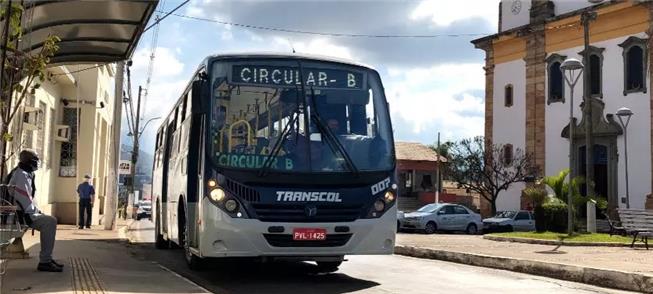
432,84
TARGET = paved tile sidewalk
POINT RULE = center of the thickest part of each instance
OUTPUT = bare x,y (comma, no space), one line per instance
95,261
638,260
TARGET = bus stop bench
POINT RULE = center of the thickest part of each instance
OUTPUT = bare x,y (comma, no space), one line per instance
637,223
10,227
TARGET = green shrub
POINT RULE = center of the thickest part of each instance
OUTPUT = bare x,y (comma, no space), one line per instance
555,215
536,194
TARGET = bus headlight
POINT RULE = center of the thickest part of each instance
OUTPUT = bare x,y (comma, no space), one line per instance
389,197
212,183
217,195
379,205
231,205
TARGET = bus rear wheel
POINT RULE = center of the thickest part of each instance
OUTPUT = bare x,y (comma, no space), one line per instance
159,242
328,266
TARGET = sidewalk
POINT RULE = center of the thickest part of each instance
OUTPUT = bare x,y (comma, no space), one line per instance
96,261
569,262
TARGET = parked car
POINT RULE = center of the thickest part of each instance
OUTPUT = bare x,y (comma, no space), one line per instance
400,216
144,210
442,216
510,220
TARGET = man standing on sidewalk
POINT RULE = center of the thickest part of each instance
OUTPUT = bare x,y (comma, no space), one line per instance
86,199
21,179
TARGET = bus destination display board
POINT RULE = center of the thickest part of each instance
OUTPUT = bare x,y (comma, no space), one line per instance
285,76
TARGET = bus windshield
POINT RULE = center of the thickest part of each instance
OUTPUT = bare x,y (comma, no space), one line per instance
284,115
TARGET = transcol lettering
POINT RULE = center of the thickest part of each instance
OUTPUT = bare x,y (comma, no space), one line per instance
295,196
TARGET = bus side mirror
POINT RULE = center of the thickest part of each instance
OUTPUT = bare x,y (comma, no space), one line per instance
200,96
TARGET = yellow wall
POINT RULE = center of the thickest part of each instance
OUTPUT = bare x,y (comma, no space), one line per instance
612,22
57,195
621,19
508,49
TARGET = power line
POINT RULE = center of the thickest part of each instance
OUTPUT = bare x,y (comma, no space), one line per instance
158,20
331,34
80,70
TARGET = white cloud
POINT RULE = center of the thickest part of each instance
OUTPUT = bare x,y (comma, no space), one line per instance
319,46
166,63
439,95
444,13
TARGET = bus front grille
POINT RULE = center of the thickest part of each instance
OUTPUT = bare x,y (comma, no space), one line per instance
300,213
286,240
243,191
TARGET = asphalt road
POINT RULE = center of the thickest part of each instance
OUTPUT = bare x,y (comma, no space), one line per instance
360,274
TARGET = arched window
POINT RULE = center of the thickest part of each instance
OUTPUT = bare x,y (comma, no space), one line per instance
508,96
556,80
507,154
595,70
635,60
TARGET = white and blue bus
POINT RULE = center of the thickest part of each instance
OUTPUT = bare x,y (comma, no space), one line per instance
277,156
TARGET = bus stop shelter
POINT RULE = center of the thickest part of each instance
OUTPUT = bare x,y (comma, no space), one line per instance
90,31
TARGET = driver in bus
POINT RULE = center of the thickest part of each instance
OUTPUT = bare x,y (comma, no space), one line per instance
334,125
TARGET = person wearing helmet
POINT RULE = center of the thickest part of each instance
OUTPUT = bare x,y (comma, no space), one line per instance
22,181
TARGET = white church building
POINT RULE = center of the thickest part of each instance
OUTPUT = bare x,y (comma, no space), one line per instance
527,99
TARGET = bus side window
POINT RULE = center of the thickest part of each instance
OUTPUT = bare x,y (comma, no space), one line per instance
183,108
188,102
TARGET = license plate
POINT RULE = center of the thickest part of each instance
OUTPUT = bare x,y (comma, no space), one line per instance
308,234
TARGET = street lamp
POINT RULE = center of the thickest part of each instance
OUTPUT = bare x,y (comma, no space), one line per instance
571,70
148,121
625,113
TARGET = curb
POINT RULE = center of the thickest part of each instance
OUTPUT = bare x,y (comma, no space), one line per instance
555,242
587,275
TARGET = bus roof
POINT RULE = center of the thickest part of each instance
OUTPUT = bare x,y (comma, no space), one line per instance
289,55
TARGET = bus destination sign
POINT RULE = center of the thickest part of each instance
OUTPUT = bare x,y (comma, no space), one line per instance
267,75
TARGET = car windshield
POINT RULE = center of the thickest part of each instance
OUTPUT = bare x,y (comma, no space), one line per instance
506,214
429,208
263,119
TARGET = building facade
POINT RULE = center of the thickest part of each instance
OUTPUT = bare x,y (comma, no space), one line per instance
527,101
68,122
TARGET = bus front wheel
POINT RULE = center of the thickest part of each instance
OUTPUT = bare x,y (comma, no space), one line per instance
194,262
328,266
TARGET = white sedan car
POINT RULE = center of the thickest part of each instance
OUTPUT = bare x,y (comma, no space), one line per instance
442,217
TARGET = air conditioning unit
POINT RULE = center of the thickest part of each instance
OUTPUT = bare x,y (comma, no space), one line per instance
62,133
31,118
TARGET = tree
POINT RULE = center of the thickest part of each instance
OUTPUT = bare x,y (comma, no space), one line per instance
488,171
21,74
444,148
444,152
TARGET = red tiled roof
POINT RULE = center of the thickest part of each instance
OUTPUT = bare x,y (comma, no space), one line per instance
416,152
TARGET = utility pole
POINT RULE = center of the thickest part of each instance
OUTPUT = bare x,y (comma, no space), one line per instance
114,158
136,135
437,173
586,18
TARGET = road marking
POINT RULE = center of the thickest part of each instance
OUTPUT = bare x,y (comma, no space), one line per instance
183,278
85,278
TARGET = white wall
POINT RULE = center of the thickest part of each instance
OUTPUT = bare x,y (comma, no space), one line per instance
639,144
564,6
509,124
510,20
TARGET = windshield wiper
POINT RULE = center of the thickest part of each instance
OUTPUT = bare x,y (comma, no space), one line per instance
277,146
330,136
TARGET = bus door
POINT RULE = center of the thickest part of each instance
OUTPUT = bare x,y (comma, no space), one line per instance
165,215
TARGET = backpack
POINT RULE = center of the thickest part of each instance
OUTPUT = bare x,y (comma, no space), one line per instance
23,218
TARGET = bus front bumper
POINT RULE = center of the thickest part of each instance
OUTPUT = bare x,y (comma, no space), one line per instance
224,236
